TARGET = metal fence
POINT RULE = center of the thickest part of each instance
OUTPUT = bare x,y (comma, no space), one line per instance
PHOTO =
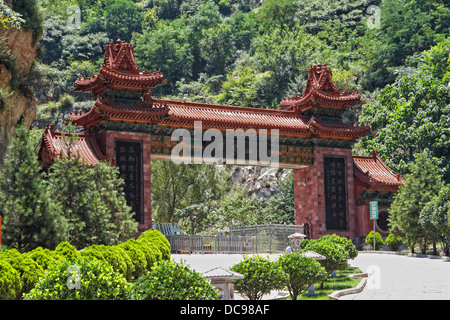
190,243
269,237
251,239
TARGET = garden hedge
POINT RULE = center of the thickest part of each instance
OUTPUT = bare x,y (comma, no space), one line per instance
20,272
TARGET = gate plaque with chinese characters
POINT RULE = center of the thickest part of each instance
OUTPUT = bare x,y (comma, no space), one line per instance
129,161
335,193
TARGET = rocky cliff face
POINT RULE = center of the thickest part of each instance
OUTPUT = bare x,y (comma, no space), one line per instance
20,49
262,182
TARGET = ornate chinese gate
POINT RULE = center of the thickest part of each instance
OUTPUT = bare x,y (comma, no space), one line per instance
308,133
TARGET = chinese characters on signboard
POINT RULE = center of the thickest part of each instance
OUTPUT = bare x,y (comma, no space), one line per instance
129,161
335,193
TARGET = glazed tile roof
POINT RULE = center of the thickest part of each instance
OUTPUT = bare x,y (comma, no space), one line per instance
184,114
119,70
320,91
373,174
53,147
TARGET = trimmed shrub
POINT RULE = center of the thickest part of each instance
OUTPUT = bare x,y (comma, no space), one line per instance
173,281
301,272
393,242
137,255
378,240
108,254
67,251
159,240
345,243
80,279
44,257
28,269
336,256
10,283
152,253
260,277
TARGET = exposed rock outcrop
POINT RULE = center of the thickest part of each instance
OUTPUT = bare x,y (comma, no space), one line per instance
15,101
262,182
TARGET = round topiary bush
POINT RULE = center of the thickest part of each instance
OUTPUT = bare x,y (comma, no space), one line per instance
345,243
378,240
393,242
28,269
260,277
81,279
10,283
67,251
137,256
336,258
173,281
159,240
301,272
44,257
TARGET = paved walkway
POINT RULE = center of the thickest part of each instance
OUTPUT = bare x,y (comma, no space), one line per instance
205,262
392,277
396,277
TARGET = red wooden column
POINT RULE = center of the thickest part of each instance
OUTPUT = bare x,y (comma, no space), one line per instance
109,138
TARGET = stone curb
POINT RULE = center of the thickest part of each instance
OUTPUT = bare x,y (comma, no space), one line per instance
337,294
417,255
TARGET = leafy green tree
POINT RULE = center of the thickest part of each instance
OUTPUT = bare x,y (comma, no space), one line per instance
336,258
117,18
407,27
260,277
422,184
281,206
176,186
412,115
194,218
30,216
91,198
436,217
240,209
166,48
301,272
9,17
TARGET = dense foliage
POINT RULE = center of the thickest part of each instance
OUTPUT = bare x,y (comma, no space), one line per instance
32,200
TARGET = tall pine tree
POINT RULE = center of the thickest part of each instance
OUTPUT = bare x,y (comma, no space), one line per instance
30,217
422,184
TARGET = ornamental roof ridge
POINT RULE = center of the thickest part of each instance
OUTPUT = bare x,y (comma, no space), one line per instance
320,91
374,174
119,69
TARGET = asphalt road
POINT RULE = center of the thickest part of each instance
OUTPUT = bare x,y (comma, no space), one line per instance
391,277
396,277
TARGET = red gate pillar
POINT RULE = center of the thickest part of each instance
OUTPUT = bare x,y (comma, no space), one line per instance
109,137
309,193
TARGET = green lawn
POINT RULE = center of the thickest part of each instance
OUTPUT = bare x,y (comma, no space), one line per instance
342,281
